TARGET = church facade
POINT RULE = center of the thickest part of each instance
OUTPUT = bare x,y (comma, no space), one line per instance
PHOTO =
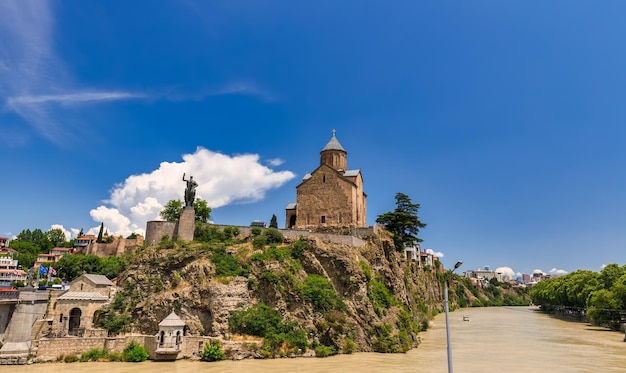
331,195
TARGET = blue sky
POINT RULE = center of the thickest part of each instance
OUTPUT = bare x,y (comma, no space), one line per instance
503,120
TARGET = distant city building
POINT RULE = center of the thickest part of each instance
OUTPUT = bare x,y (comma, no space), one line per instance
55,255
4,242
258,223
9,269
481,277
84,241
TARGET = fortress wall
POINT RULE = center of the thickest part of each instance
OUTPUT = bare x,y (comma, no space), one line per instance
353,239
156,229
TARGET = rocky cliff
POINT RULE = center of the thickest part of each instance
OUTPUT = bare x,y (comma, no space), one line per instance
342,297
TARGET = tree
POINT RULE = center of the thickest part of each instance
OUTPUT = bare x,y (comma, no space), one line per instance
173,209
56,236
26,253
274,222
403,222
37,237
99,239
202,210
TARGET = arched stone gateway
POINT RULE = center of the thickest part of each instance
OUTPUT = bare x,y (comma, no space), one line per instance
74,322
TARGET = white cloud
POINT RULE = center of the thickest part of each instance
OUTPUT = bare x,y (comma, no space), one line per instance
539,271
558,272
222,180
69,98
243,88
507,273
275,162
437,254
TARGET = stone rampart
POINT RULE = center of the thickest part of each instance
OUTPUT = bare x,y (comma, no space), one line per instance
118,247
353,237
50,349
156,229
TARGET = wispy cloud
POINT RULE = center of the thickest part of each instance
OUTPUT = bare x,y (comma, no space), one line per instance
36,85
71,98
244,88
275,162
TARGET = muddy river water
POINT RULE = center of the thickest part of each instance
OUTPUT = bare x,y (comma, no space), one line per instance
505,339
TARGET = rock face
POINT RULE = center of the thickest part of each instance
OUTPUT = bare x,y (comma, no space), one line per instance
383,303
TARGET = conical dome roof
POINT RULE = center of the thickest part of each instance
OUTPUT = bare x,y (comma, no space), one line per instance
334,144
172,320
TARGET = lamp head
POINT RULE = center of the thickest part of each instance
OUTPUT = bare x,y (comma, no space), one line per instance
457,265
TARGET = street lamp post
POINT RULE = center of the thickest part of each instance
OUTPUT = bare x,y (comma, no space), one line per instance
445,296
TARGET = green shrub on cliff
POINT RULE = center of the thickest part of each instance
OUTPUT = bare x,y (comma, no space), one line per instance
280,336
213,351
134,352
319,291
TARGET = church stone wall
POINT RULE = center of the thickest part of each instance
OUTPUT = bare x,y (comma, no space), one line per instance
326,199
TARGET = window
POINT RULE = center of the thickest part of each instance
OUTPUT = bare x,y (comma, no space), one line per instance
323,219
323,178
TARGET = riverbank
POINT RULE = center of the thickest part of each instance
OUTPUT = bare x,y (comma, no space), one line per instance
515,339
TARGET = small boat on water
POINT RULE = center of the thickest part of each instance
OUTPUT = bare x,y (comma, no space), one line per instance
466,318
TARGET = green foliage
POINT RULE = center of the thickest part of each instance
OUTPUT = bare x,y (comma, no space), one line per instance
273,235
349,346
135,353
69,358
26,253
213,351
324,351
263,321
230,232
202,210
228,265
72,266
387,342
114,318
571,290
95,354
260,320
273,221
256,231
367,270
259,242
100,233
37,237
379,295
273,253
298,248
56,237
174,208
403,222
319,290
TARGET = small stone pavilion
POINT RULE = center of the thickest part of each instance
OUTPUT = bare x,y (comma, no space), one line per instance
169,339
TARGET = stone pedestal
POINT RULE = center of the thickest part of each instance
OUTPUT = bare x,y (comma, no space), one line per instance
186,224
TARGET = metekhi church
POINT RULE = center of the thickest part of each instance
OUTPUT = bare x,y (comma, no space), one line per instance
331,195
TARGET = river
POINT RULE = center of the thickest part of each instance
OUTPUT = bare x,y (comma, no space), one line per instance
508,339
